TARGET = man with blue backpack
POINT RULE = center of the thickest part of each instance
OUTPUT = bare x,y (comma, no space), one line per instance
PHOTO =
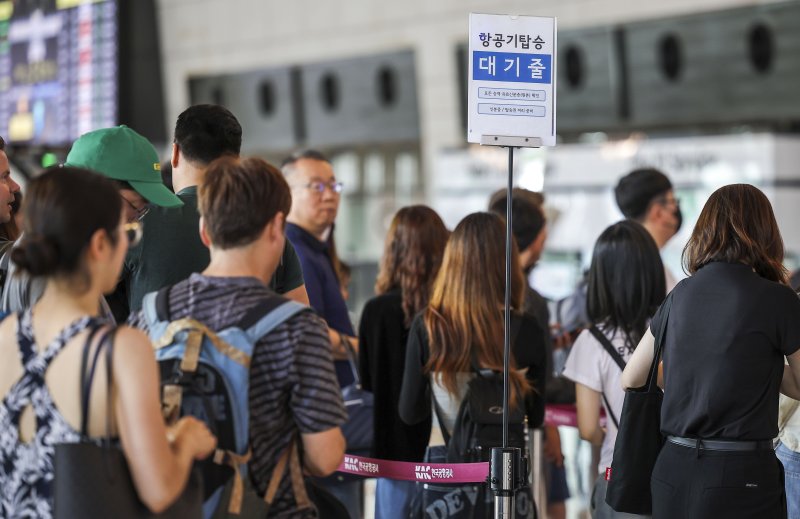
253,365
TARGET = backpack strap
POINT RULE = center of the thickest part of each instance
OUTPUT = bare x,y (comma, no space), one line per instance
290,457
612,351
155,306
268,315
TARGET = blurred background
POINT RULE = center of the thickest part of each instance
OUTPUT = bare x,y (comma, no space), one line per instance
706,90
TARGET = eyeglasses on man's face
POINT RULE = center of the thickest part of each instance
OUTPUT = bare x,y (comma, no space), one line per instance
319,187
139,211
669,200
133,231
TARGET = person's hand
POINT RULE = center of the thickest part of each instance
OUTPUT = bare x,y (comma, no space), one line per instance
561,338
193,435
552,445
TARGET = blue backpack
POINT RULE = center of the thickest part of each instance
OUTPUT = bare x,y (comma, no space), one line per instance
206,373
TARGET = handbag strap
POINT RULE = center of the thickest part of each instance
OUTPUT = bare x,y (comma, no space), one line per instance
606,344
105,342
87,377
352,358
610,412
652,377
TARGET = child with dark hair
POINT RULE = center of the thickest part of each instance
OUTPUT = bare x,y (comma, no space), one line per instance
626,285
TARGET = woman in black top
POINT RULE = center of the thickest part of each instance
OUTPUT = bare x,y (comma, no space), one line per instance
464,321
411,258
731,325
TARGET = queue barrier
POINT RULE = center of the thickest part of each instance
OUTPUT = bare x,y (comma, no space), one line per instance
415,471
441,472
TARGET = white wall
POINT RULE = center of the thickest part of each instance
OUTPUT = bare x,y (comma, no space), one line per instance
218,36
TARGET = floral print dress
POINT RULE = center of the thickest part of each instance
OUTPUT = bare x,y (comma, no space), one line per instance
26,468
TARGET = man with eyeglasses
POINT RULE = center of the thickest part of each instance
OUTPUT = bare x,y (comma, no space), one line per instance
646,196
131,162
315,202
171,249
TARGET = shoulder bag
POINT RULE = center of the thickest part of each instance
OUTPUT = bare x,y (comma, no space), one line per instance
639,439
92,479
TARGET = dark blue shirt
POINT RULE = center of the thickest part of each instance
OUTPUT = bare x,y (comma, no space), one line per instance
322,286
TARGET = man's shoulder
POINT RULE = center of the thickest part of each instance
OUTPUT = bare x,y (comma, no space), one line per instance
304,321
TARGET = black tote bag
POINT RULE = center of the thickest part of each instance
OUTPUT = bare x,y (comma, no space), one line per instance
92,479
639,439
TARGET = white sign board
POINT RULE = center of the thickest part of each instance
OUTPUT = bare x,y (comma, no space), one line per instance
512,80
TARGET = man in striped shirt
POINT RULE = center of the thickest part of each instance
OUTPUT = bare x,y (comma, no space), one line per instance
243,206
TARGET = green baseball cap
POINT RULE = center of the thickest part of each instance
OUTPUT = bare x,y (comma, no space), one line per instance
122,154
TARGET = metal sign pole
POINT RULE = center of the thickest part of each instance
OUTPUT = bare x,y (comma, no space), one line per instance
507,464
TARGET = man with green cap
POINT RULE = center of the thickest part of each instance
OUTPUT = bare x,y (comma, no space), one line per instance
132,163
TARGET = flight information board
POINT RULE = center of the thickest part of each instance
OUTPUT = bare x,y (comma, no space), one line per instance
58,69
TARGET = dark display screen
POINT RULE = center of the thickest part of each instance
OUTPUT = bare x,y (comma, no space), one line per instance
58,69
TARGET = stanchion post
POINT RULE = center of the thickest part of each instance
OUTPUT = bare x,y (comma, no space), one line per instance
507,469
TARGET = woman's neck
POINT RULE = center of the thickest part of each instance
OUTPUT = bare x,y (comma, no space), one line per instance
61,301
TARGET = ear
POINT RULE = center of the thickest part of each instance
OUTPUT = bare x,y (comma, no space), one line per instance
204,233
279,225
99,245
653,212
176,153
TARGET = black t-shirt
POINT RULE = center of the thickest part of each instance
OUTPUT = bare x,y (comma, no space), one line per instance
726,338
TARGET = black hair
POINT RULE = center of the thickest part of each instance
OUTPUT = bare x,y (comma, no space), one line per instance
303,154
626,280
527,216
64,207
166,175
2,144
637,190
206,132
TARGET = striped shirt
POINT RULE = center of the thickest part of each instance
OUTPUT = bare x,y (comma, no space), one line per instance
293,385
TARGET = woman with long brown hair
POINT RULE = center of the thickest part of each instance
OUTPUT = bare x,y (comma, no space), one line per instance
463,325
412,255
729,329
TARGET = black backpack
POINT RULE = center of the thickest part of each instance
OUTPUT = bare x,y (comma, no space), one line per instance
479,423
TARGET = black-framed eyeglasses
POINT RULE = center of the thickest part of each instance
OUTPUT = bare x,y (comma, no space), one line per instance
140,211
133,231
319,186
663,200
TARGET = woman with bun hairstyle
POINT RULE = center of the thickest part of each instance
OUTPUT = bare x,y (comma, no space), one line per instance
728,329
76,238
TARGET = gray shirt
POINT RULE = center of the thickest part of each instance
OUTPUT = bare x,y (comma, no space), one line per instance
21,291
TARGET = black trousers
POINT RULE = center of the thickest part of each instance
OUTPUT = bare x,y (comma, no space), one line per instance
691,483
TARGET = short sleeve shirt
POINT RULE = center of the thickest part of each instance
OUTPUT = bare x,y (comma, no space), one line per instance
171,250
726,337
591,365
292,382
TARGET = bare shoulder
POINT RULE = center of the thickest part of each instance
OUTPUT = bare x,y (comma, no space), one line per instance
8,324
132,343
